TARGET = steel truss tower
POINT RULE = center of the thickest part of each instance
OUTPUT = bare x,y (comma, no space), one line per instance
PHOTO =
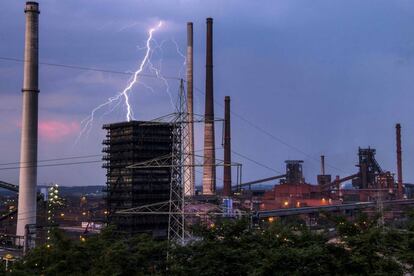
180,156
177,161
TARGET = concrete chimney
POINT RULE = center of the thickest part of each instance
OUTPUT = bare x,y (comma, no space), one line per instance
227,149
399,160
28,147
209,173
189,169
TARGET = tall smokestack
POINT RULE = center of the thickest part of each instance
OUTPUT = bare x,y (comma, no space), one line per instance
399,160
209,173
227,149
28,147
323,164
189,173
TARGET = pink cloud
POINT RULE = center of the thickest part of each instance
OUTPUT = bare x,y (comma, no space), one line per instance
56,131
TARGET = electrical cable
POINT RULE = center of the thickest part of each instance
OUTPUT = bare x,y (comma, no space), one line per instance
52,165
75,67
256,162
54,159
279,140
251,124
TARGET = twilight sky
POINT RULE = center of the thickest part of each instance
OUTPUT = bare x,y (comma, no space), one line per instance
322,76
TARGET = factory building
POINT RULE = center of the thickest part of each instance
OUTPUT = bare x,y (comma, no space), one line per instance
370,183
130,143
293,191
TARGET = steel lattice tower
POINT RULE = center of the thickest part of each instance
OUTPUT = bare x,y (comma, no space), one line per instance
180,156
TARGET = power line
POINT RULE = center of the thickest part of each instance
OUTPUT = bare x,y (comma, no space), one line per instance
273,136
52,165
256,162
76,67
54,159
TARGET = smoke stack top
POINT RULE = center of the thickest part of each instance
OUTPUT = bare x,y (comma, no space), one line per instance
32,7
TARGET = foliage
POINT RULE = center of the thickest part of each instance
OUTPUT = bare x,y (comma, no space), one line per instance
106,254
232,248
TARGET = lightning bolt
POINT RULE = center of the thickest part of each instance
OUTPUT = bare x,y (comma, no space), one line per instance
86,123
129,115
177,48
158,70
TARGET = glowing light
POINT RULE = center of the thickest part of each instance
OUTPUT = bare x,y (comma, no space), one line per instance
177,48
87,122
271,219
286,203
129,115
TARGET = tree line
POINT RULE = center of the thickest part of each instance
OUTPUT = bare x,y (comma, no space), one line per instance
358,247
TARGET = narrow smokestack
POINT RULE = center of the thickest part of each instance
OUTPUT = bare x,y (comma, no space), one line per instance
227,149
209,173
323,164
189,175
399,160
28,148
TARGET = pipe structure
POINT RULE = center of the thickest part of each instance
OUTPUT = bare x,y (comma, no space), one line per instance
399,160
262,180
227,149
209,172
339,180
28,147
189,169
323,164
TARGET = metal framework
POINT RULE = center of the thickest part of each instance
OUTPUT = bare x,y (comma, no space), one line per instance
176,218
178,162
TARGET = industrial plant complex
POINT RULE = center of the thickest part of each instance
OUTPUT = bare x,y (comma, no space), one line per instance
150,167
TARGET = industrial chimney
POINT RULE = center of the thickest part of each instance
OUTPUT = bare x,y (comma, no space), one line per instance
189,169
209,173
322,164
399,161
227,149
28,147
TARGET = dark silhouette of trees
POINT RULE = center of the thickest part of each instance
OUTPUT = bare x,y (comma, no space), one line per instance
232,248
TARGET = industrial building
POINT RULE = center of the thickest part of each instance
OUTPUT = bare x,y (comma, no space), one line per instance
370,183
293,191
127,144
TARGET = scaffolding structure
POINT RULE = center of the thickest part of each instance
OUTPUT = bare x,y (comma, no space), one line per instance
128,143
